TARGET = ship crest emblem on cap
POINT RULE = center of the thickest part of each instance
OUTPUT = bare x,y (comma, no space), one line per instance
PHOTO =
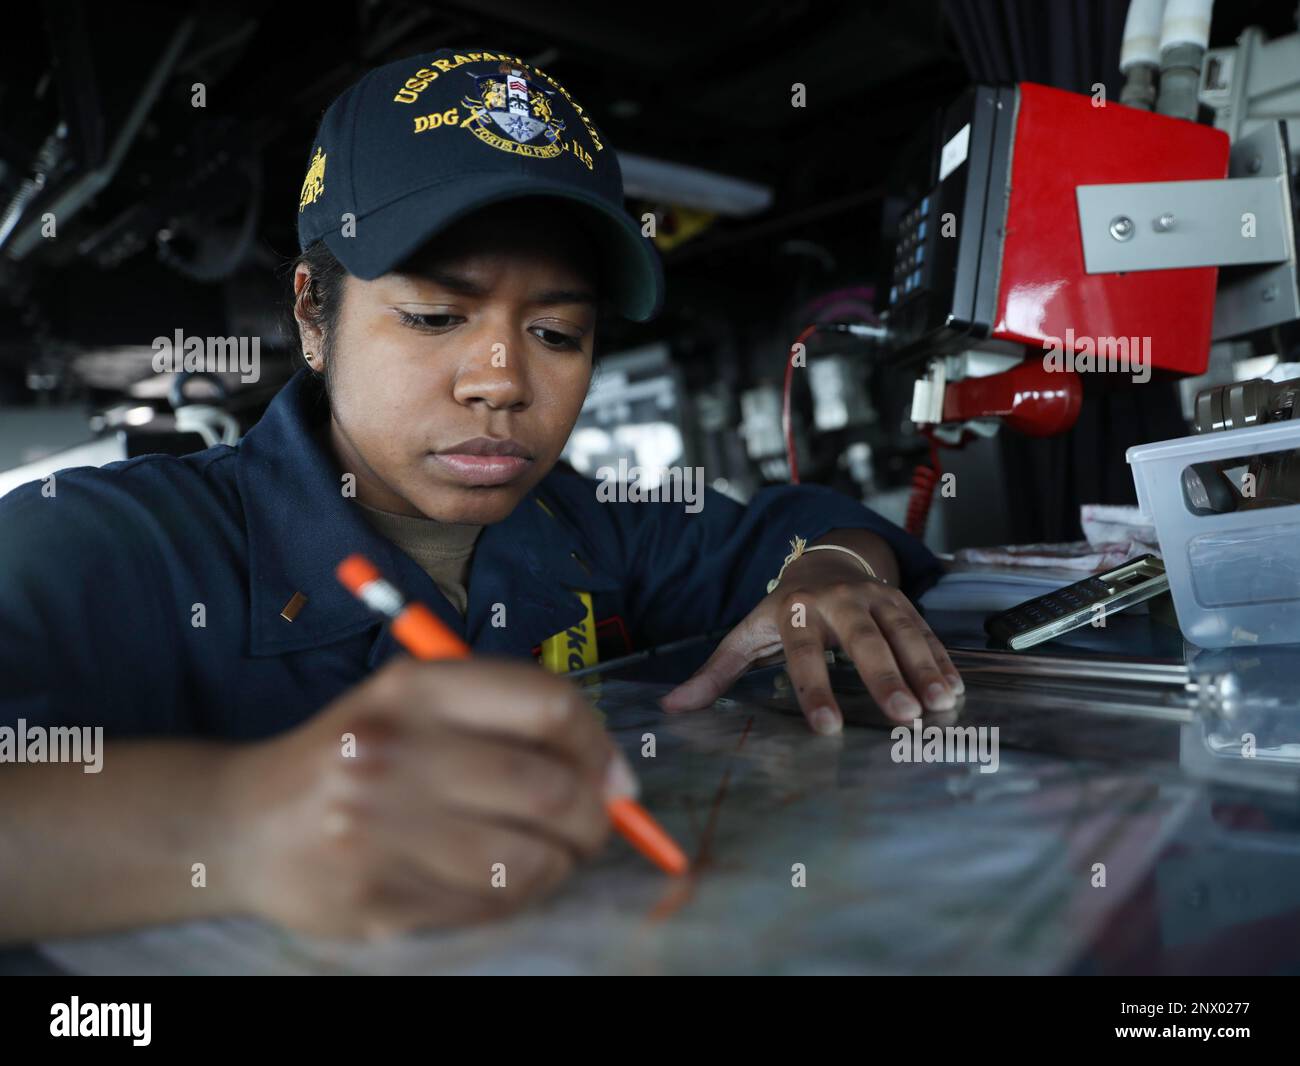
313,185
509,102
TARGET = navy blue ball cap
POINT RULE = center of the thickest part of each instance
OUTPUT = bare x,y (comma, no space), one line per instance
420,143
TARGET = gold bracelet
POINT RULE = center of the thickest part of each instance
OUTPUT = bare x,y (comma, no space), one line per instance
799,548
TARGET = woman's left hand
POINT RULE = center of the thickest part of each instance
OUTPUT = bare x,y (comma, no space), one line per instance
826,599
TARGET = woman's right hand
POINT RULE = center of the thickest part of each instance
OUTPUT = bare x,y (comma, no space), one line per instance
471,788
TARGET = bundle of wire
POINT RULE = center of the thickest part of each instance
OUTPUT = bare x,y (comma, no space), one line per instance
924,478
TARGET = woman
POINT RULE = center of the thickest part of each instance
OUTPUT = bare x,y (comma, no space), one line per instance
270,751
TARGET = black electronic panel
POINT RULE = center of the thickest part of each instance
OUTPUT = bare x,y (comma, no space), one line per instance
943,293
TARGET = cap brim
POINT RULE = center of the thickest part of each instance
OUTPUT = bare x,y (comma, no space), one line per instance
387,237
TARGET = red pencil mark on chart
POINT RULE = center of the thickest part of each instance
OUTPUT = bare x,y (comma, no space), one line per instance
681,892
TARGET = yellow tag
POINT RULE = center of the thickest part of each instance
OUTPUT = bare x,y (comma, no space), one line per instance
575,647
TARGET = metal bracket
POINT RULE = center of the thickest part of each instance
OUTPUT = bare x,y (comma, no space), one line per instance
1164,225
1248,300
1246,222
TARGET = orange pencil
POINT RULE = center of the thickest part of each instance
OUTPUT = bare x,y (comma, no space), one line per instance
424,635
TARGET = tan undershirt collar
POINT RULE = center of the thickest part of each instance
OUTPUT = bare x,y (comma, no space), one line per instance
442,549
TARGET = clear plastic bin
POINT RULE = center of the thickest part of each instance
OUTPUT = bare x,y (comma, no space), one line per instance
1234,576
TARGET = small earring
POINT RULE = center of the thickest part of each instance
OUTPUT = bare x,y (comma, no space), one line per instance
307,354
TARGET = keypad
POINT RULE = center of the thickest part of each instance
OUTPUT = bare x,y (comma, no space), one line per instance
911,268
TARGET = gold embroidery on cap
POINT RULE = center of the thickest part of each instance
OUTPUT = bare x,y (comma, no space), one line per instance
313,185
511,111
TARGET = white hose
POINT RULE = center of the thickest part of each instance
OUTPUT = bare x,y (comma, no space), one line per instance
1186,22
1141,34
